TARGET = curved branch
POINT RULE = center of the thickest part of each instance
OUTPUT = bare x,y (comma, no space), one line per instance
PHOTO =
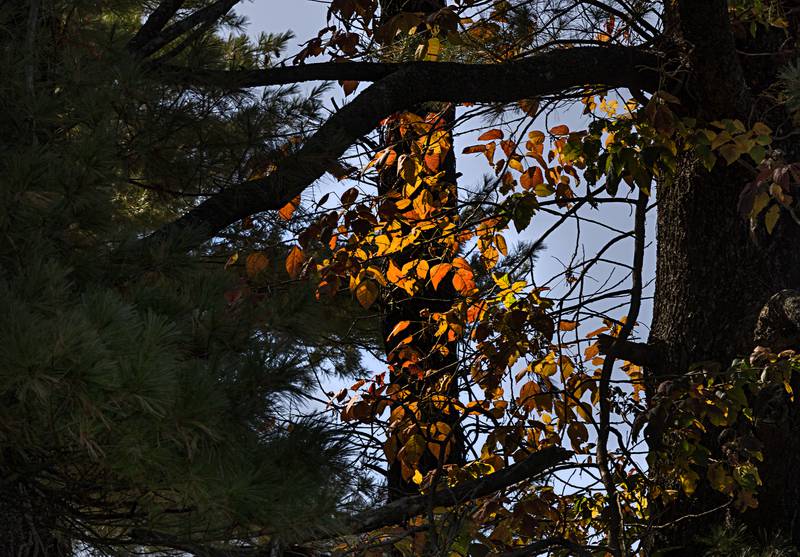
544,74
408,507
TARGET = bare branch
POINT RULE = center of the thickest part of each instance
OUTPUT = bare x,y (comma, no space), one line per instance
616,529
155,23
208,14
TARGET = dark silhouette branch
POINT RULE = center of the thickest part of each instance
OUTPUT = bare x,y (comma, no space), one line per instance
154,24
160,39
616,527
639,353
543,74
390,514
408,507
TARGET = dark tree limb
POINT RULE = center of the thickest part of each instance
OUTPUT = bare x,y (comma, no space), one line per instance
616,528
639,353
409,507
544,74
205,15
154,24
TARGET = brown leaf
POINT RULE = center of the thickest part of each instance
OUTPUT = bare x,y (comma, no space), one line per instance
491,134
256,262
367,292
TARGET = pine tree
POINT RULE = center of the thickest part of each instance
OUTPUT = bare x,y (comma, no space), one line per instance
146,397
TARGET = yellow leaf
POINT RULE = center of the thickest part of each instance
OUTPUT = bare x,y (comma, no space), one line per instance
294,262
232,260
256,262
417,478
433,50
516,165
547,367
367,293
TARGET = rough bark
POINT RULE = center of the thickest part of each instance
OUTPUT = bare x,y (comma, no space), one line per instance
714,275
443,366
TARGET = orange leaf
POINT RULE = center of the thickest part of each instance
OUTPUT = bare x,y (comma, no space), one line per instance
256,262
489,152
463,283
536,137
399,328
288,210
567,325
294,262
531,178
491,134
560,130
438,272
394,274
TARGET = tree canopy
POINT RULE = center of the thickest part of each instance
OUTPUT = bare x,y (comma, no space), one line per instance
196,260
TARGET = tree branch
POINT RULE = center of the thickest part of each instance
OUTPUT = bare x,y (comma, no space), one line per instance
409,507
616,527
544,74
639,353
154,23
209,13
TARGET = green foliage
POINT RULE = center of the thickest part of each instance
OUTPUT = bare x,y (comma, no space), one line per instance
149,391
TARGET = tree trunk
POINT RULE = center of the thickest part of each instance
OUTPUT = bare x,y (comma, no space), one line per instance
409,308
714,274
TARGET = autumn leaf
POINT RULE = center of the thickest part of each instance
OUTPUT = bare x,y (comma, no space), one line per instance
473,149
294,262
491,134
399,328
288,210
255,263
366,293
567,325
438,272
559,130
349,86
531,178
